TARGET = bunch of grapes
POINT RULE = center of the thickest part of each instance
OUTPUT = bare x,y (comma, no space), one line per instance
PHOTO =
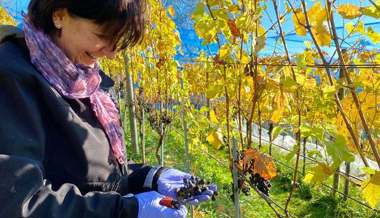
260,183
193,186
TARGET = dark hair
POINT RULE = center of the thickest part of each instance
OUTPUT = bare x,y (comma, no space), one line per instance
123,21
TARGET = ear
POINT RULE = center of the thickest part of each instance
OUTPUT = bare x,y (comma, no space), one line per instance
59,17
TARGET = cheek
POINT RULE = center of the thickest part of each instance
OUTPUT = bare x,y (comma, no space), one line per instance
88,44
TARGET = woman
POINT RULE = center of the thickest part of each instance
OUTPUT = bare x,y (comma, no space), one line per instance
61,143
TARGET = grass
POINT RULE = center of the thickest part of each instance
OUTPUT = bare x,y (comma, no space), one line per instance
307,201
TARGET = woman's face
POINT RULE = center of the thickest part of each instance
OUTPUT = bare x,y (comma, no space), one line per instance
81,39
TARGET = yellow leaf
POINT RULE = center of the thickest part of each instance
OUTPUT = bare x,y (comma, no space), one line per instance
171,10
349,11
5,18
224,51
299,22
280,102
318,174
215,139
349,27
371,190
213,117
277,115
234,8
317,14
322,35
371,11
373,35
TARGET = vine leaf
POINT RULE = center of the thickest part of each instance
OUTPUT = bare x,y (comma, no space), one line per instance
257,162
5,18
349,11
276,132
317,16
171,11
233,28
371,11
299,22
213,117
371,189
215,139
318,174
339,151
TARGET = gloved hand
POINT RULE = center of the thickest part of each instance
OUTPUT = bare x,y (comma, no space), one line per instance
149,206
171,180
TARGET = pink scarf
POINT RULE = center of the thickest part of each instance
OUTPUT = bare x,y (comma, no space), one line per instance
75,81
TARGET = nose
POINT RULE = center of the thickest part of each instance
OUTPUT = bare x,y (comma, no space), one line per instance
107,51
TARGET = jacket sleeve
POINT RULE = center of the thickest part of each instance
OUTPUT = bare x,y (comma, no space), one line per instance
24,190
143,178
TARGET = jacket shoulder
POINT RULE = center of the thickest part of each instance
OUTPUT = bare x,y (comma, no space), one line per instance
14,61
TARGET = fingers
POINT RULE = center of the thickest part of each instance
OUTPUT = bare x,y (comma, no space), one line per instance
175,213
206,195
208,192
197,199
192,201
213,187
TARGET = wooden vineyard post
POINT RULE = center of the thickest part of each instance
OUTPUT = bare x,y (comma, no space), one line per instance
131,108
304,156
347,181
235,178
142,124
162,138
270,131
335,183
185,139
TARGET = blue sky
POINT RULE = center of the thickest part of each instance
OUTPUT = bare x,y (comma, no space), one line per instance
192,44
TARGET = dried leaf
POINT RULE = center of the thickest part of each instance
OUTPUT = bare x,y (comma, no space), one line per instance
257,162
233,28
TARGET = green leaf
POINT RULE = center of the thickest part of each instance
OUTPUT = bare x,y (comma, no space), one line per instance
305,130
214,91
275,132
369,170
291,154
199,11
329,90
339,151
314,153
288,83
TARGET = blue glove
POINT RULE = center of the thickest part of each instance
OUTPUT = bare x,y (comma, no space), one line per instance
171,180
149,206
